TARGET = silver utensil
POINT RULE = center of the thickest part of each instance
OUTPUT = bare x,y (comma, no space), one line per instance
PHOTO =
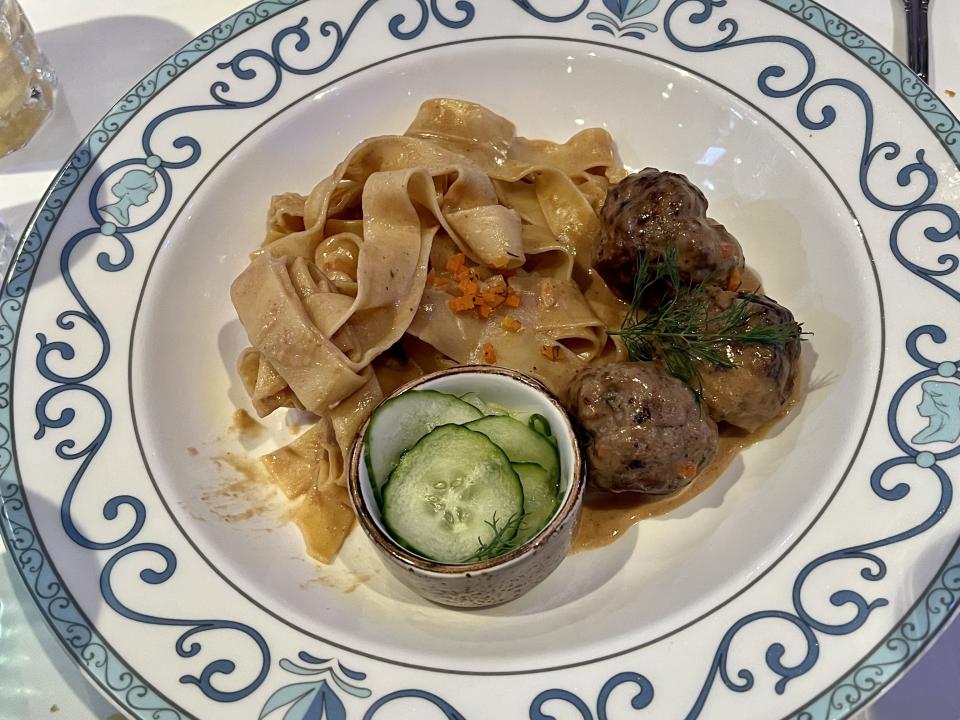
918,36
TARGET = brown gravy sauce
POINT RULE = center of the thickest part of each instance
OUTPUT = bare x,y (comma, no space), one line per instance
244,492
607,516
245,426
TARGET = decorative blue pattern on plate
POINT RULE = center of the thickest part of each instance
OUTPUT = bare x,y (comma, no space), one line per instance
315,699
133,194
625,23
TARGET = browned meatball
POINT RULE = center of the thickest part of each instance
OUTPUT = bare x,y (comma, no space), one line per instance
757,389
650,210
643,429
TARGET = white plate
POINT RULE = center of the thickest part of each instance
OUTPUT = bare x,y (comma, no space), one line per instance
803,581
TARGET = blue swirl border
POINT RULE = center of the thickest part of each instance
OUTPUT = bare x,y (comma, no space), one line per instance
934,113
936,606
17,527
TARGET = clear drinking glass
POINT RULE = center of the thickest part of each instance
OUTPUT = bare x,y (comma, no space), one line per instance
27,83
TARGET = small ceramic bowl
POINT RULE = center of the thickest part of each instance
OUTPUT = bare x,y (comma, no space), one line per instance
509,576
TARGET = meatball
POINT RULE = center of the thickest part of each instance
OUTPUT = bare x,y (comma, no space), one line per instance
643,429
650,210
757,389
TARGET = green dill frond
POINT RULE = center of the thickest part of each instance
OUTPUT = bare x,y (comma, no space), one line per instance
680,328
503,539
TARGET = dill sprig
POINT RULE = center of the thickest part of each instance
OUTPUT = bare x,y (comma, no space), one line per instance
503,539
682,329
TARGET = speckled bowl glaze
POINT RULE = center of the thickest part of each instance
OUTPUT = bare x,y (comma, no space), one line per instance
509,576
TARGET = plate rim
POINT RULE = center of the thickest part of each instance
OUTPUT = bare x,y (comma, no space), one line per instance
84,155
828,500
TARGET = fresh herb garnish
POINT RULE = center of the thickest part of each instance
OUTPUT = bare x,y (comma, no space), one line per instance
682,329
503,540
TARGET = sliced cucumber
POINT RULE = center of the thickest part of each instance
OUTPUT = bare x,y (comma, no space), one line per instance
521,444
540,424
483,406
539,500
445,492
398,424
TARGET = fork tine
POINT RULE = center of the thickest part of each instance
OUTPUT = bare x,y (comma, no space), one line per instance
918,36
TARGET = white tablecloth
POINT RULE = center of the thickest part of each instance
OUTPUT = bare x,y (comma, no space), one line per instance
100,48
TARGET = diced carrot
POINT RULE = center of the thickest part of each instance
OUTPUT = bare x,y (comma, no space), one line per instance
462,304
510,324
456,262
687,470
434,280
469,287
495,284
489,356
550,352
726,250
512,300
492,299
484,311
733,282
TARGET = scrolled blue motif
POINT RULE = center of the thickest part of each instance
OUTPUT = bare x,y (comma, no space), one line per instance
449,712
730,29
641,699
195,627
883,62
920,180
60,611
528,7
142,178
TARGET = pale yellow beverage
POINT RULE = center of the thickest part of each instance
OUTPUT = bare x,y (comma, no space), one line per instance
27,83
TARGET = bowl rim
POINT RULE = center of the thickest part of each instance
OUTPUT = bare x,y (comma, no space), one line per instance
411,560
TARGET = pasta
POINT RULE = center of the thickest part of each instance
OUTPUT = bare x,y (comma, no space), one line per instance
457,242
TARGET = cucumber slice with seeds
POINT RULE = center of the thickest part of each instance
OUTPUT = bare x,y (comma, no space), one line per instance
521,444
445,491
398,425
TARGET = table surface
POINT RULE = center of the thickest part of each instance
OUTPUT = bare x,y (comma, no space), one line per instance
37,678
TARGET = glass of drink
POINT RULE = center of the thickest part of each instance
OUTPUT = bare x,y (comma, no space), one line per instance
27,83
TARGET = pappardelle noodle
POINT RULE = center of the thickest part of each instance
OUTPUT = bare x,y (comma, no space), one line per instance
456,242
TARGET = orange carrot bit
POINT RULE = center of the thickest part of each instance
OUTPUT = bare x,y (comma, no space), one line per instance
501,262
468,287
726,250
733,282
434,280
550,352
489,356
687,470
484,311
512,300
510,324
493,299
462,304
456,262
495,284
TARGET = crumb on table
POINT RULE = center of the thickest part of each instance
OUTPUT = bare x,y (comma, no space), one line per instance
950,93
